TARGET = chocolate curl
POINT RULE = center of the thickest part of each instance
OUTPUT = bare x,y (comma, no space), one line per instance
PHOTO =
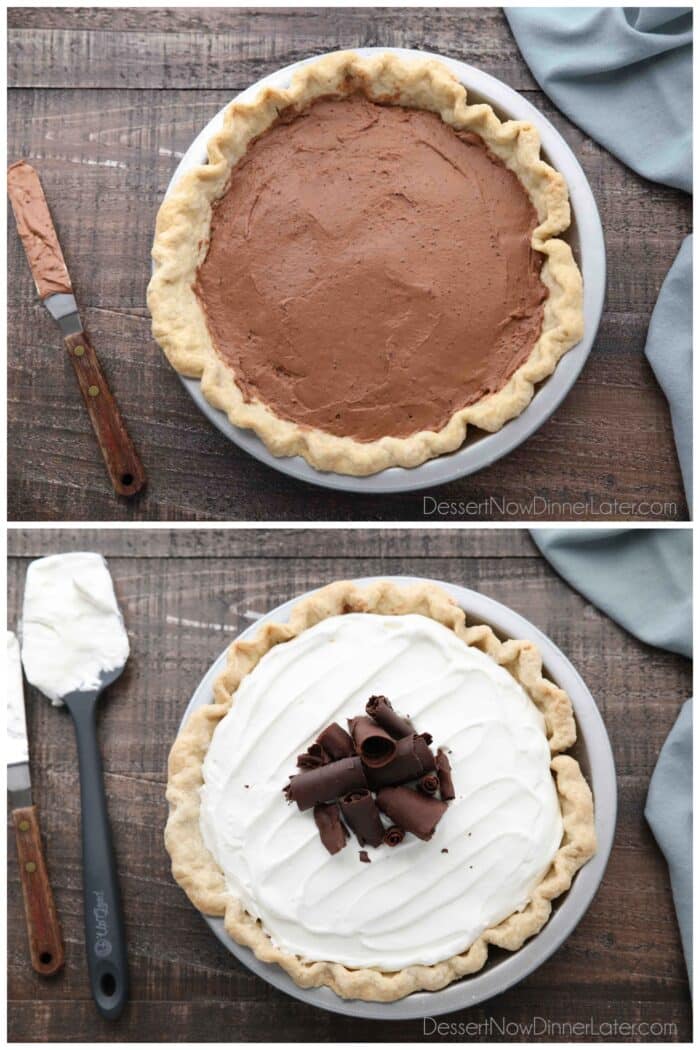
447,790
336,742
394,836
326,783
313,758
362,816
413,758
330,826
375,746
429,784
379,708
411,810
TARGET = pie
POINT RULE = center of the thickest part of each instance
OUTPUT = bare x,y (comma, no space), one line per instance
367,265
410,914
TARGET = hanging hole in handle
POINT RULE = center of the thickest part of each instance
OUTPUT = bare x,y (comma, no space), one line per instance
127,479
45,958
108,985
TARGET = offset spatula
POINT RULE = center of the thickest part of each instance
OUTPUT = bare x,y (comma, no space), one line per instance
43,928
53,284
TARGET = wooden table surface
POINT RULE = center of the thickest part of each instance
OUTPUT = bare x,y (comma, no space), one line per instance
184,596
104,102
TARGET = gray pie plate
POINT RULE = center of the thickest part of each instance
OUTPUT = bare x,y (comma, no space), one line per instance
503,968
585,236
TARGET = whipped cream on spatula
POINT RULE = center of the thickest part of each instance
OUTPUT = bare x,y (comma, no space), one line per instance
74,646
72,629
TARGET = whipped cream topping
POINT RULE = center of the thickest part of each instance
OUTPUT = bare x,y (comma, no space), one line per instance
17,750
72,629
414,903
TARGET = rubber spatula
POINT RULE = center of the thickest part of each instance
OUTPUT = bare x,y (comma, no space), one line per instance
74,645
105,940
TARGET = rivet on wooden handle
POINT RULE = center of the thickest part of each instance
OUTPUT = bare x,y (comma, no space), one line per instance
121,458
43,928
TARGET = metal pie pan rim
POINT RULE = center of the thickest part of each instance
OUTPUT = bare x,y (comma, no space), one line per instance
486,449
497,976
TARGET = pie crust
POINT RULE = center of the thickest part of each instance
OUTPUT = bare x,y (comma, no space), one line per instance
198,874
182,238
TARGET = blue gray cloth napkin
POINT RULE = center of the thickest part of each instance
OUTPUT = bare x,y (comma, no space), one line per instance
642,579
624,75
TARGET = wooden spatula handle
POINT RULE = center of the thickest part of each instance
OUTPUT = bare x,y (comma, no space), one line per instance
121,458
43,929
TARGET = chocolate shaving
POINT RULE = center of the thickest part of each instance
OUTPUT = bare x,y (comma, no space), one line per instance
336,742
331,828
447,790
362,816
413,758
375,746
394,836
379,708
429,784
411,810
308,761
326,783
313,758
351,779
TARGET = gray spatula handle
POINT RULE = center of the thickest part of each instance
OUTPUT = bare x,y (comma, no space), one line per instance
105,940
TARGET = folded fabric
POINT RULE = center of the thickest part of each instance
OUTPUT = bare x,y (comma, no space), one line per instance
625,75
669,811
669,349
642,579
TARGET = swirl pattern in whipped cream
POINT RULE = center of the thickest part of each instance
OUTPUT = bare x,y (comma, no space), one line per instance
421,902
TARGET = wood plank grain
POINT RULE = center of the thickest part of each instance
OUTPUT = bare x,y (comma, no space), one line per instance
339,544
184,595
219,48
100,151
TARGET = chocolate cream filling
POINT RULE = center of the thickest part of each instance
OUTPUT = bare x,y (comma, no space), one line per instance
370,271
36,230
